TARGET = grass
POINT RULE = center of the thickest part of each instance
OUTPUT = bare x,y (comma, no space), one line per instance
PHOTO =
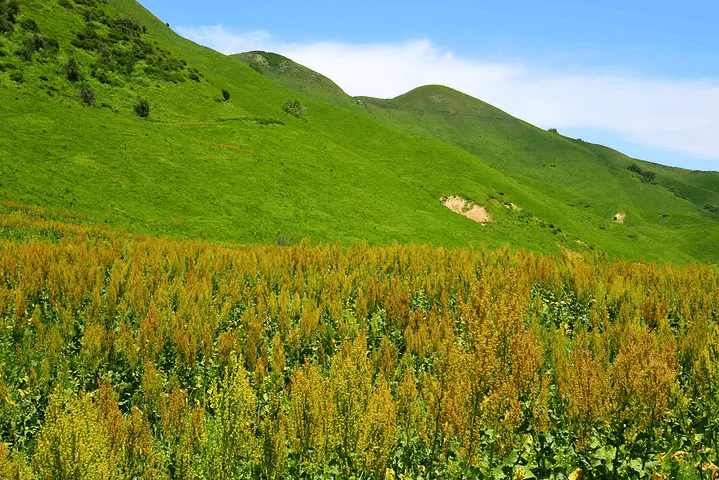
245,170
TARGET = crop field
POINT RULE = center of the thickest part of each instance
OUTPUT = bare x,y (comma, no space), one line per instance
224,267
135,357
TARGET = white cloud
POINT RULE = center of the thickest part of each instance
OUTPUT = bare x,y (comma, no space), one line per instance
660,114
217,38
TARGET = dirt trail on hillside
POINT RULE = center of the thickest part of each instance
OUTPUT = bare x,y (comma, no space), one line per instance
619,217
470,210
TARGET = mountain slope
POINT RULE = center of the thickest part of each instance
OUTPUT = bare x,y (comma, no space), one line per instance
590,178
244,169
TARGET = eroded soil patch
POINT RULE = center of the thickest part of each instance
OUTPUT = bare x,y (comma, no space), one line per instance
469,209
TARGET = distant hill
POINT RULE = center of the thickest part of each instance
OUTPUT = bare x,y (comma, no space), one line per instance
298,78
289,155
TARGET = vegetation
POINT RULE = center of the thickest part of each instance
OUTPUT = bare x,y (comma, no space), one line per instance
295,108
142,108
711,208
402,352
87,94
72,70
343,176
127,357
299,79
646,175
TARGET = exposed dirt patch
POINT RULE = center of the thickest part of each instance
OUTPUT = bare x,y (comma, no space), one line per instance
470,210
619,217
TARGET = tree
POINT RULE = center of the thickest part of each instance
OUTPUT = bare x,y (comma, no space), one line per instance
225,94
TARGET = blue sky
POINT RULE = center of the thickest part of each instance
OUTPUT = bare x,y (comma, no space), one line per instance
642,77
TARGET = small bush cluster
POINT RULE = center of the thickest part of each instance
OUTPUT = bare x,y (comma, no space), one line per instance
645,175
87,94
123,47
225,95
30,25
142,108
295,108
8,11
711,208
71,69
35,43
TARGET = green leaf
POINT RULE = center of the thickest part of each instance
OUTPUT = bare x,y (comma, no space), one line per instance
636,465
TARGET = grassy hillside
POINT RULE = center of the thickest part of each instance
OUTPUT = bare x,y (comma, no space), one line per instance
590,182
246,170
586,176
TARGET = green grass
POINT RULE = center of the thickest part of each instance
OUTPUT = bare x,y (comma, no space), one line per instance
246,171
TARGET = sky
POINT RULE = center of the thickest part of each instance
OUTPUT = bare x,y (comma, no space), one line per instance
641,77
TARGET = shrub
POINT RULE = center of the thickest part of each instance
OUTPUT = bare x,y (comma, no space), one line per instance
9,9
26,52
225,94
87,94
17,77
646,175
142,108
72,70
30,25
37,43
553,130
711,208
295,108
5,25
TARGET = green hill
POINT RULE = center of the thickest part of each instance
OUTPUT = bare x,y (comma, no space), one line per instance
72,73
298,78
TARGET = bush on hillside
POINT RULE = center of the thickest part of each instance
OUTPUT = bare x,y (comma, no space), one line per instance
30,25
142,109
295,108
123,45
5,26
71,69
87,94
8,11
711,208
37,43
225,94
646,175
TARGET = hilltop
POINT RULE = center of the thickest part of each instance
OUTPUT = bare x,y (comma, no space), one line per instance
223,152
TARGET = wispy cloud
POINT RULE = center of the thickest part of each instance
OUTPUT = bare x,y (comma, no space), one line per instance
680,116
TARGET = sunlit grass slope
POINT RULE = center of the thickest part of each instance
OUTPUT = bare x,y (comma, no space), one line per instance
590,182
242,169
245,170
